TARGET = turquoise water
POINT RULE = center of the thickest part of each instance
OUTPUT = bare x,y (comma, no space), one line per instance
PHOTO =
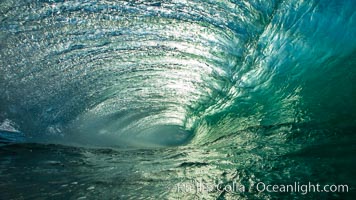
130,99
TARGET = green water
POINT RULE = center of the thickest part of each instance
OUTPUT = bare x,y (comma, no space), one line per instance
143,99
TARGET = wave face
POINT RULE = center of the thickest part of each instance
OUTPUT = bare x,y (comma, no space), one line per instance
179,70
234,88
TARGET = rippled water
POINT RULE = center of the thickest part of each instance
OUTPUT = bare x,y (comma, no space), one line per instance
128,99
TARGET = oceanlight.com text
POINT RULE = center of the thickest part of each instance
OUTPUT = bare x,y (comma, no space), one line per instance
301,188
200,186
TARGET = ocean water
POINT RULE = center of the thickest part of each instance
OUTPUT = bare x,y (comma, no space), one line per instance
164,99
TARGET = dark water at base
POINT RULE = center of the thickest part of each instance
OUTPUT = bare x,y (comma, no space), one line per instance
45,171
